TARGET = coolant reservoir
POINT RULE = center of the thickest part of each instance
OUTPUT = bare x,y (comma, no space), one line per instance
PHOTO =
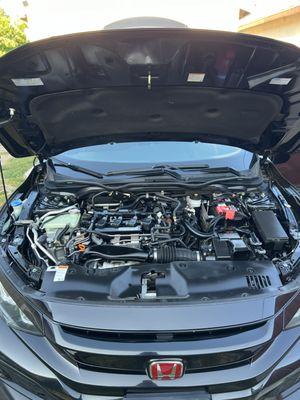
52,223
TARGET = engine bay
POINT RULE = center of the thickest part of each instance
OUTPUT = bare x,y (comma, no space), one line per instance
153,245
111,229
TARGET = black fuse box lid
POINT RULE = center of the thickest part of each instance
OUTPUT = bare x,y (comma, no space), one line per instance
270,229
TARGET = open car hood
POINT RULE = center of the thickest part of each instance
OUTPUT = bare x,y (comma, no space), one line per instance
150,84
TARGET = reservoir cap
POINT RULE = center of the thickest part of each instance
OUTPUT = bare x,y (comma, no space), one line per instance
16,203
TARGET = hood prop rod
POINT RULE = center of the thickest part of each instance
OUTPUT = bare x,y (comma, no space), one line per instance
11,116
4,189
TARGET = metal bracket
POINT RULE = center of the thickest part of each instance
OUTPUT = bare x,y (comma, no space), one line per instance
149,80
11,116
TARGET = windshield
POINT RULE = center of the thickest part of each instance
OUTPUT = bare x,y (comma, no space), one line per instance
134,154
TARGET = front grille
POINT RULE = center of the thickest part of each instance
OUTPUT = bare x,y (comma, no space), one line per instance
138,364
147,337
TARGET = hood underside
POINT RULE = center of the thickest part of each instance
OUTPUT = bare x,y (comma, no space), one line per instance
150,84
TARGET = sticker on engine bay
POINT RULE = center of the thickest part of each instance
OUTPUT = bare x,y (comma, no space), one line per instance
60,272
280,81
28,82
196,77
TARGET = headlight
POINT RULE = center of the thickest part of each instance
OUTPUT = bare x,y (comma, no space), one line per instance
295,321
11,313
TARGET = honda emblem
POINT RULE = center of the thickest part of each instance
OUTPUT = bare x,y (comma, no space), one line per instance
165,370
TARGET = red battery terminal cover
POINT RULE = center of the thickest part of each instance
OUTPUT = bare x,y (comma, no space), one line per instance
228,211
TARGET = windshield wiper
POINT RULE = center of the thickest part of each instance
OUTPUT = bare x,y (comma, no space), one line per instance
154,171
173,171
77,168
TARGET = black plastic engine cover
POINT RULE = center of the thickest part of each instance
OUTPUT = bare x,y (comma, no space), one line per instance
178,280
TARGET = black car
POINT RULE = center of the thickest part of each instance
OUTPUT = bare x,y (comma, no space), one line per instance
153,251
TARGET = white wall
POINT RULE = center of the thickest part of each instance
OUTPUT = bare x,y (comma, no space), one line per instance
56,17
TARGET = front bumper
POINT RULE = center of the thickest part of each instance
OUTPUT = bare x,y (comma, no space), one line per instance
39,372
14,392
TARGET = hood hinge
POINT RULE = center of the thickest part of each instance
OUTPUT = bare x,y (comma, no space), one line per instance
266,157
42,159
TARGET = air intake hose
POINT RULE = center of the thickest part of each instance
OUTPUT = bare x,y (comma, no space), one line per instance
161,255
168,254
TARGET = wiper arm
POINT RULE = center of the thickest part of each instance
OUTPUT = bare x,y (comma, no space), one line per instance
185,166
77,168
157,170
172,170
202,168
154,171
